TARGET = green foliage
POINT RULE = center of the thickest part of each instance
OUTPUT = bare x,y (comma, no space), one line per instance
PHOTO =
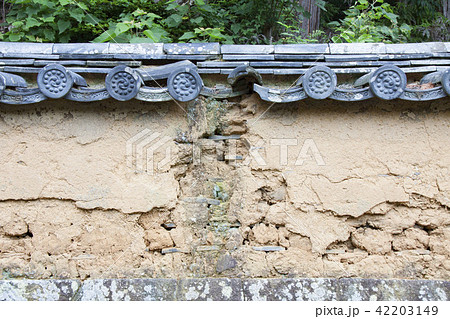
425,19
136,27
225,21
196,22
294,35
267,21
370,21
45,20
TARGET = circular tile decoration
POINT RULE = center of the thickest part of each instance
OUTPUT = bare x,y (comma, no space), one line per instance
319,82
54,81
122,83
388,82
184,84
445,81
2,84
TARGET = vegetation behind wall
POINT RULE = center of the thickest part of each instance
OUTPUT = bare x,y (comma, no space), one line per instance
231,21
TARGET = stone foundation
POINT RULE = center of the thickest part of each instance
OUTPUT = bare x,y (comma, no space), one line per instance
224,289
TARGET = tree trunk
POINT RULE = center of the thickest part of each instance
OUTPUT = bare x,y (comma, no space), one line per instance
312,24
446,7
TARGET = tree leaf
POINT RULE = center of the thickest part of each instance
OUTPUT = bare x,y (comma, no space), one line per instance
48,19
172,5
141,40
77,14
82,6
391,16
31,22
105,36
187,36
197,20
156,34
15,37
49,35
122,28
173,20
63,25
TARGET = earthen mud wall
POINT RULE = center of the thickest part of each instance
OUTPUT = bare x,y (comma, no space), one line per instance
237,188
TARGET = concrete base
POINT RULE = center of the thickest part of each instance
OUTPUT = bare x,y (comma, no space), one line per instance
226,289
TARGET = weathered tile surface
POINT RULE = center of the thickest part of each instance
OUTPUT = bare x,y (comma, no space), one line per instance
302,49
214,64
280,64
192,48
125,56
351,57
17,62
357,48
198,57
294,57
62,62
80,48
31,56
28,48
151,49
247,49
113,63
231,57
407,48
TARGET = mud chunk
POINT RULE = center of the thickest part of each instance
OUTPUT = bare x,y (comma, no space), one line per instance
158,238
412,238
16,227
372,240
265,235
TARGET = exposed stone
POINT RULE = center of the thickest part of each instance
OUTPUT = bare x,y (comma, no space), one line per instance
213,289
234,239
38,290
269,248
225,262
288,289
128,290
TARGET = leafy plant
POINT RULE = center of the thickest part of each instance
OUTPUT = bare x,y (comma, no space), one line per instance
373,21
196,22
294,35
45,20
425,18
435,30
136,27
